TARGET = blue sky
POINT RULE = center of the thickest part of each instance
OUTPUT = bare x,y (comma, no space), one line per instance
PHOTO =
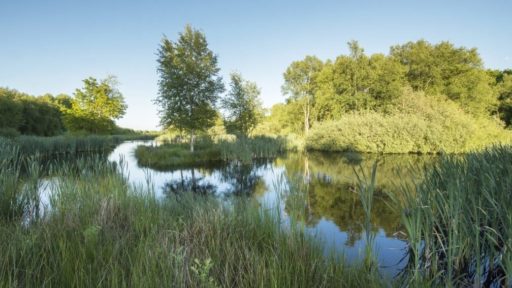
51,46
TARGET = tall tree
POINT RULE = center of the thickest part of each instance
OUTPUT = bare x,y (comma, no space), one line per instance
456,72
242,104
189,84
300,85
358,82
95,107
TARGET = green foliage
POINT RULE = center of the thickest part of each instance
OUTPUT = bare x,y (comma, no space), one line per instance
94,107
218,132
504,88
420,124
242,105
358,82
40,118
9,132
301,85
69,145
361,97
25,114
284,119
459,221
189,84
11,111
444,69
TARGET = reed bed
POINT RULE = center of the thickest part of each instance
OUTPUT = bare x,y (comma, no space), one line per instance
459,221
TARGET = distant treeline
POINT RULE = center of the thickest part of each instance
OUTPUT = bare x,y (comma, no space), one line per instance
21,113
91,110
442,89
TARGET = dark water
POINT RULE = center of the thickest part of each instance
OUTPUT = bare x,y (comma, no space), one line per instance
323,198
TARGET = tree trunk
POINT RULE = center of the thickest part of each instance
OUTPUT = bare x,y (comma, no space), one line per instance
306,120
192,139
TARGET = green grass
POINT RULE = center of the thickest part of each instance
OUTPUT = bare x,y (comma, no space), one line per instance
459,220
172,156
103,233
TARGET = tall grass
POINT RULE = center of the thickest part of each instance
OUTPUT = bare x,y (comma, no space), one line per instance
459,220
247,149
69,145
102,232
11,204
366,189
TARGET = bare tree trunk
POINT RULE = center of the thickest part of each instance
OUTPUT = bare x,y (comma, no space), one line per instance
192,139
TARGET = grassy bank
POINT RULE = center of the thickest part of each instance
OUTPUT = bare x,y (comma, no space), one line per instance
100,232
170,156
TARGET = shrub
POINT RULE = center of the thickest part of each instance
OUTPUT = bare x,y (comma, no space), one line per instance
419,125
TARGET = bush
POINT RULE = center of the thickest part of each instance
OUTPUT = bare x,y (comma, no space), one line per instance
419,125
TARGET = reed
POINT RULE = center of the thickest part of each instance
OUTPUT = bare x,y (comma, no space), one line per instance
459,220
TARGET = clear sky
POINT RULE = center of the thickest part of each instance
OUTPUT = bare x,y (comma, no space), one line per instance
51,46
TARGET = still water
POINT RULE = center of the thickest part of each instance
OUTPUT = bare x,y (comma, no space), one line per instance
323,199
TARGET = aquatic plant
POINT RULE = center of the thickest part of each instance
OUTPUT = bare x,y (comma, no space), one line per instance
459,220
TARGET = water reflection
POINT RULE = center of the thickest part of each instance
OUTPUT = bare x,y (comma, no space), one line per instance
316,190
182,184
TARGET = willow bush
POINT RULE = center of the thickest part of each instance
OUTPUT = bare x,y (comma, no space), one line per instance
417,125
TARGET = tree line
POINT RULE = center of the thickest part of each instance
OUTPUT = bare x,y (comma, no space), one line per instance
415,77
327,90
91,110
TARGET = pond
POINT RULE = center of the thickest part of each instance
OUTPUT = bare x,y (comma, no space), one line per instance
323,200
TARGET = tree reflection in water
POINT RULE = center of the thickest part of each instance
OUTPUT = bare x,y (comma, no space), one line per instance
244,178
193,184
324,186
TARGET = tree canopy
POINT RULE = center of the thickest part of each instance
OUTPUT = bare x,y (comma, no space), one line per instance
189,84
94,107
301,85
242,105
21,113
